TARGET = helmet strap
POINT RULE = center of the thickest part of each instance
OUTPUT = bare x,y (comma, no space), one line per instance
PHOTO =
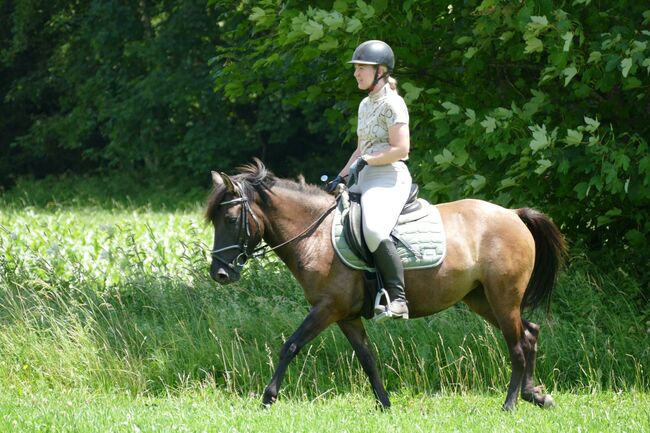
376,79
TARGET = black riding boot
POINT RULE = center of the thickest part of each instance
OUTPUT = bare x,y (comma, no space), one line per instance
389,265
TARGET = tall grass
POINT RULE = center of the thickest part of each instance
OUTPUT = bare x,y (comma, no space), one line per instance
118,297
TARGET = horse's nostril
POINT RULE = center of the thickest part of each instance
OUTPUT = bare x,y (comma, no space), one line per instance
222,275
219,275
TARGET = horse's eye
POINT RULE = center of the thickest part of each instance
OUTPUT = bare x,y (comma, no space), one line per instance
231,219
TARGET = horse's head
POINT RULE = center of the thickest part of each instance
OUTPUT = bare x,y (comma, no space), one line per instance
237,229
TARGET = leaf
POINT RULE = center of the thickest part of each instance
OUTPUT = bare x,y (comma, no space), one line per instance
569,73
507,183
477,183
646,64
445,158
367,10
506,36
314,30
635,238
537,24
329,44
609,216
471,117
354,25
533,45
257,14
540,138
542,165
463,40
435,186
592,124
582,189
334,20
502,113
340,6
451,108
412,92
573,137
626,64
490,124
470,52
594,57
567,37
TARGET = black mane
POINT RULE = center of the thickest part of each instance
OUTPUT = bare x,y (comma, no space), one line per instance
257,182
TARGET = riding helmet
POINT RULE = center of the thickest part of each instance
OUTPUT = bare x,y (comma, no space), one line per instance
374,53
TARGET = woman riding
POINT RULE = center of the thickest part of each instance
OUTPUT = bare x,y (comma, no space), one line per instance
383,179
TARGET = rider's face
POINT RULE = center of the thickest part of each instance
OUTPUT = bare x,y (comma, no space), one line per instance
364,74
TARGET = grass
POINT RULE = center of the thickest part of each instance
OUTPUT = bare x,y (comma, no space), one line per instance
210,410
107,308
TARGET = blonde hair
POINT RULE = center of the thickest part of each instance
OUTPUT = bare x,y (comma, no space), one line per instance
391,80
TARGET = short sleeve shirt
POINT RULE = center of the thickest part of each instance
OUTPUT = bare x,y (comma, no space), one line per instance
377,113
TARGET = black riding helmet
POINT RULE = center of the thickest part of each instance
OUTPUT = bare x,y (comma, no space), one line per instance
375,53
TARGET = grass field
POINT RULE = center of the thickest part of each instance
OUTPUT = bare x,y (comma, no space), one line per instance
210,411
110,322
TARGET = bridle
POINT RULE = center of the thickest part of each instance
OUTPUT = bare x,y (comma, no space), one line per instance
245,236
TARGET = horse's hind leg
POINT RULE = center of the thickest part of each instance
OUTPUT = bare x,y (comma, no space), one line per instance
356,335
506,317
529,391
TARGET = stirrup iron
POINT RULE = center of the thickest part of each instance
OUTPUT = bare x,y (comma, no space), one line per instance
381,311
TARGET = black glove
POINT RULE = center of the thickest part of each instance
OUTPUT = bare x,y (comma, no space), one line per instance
356,168
332,184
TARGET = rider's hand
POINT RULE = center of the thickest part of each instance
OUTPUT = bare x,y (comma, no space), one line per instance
357,166
332,184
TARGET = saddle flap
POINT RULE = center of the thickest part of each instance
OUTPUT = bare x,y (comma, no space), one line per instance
353,230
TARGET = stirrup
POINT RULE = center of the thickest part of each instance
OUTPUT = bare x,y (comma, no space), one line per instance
381,311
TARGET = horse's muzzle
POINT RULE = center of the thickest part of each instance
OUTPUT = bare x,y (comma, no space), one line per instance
223,275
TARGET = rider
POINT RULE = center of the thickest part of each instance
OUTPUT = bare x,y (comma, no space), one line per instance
382,148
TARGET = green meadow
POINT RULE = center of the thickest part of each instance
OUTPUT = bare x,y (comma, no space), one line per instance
110,322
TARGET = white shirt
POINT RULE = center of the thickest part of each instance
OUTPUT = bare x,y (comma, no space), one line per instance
377,113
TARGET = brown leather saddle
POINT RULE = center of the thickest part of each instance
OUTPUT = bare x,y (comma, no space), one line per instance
353,225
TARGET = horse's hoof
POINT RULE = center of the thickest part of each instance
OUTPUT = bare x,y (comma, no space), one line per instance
548,401
267,401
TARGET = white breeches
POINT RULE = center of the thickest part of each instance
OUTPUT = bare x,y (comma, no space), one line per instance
384,190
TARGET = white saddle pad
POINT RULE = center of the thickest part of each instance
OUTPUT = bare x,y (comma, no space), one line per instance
422,243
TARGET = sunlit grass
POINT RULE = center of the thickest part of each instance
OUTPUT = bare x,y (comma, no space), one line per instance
210,410
119,299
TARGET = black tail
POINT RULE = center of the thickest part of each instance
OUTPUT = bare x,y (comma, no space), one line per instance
550,252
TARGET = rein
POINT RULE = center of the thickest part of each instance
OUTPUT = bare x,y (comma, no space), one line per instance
245,235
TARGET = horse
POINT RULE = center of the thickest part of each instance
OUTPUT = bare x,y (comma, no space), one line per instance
499,262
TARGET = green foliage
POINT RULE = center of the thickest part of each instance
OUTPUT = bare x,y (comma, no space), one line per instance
524,104
125,86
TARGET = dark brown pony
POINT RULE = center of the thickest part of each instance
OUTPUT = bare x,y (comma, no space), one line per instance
499,261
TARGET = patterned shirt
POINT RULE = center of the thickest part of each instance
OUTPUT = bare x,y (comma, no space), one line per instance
377,113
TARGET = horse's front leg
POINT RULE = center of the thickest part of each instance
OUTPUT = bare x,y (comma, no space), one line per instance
319,318
356,335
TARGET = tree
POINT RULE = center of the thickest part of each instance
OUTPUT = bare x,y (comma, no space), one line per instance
522,103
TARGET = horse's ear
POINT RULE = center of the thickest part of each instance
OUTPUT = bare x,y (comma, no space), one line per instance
230,186
216,179
219,179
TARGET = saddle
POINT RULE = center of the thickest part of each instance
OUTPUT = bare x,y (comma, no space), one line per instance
352,222
419,236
